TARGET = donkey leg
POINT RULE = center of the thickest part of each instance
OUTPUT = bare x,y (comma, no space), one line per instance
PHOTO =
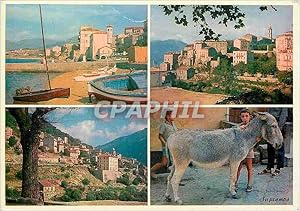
168,198
233,177
175,180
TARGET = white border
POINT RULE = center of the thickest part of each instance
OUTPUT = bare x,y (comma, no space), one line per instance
296,104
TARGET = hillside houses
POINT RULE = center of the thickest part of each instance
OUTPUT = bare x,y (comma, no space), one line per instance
208,54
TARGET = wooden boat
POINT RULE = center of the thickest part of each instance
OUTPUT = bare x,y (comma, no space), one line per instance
116,88
43,95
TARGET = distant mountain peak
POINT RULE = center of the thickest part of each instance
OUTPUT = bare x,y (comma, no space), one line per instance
160,47
131,146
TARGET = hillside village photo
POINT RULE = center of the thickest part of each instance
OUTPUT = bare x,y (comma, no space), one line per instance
73,158
251,62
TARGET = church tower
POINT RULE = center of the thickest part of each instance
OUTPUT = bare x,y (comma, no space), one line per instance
270,33
109,30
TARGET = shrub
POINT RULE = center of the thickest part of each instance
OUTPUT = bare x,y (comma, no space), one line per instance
19,175
64,184
142,195
91,196
12,141
67,175
125,196
137,181
85,181
7,169
107,193
73,194
66,198
12,192
123,180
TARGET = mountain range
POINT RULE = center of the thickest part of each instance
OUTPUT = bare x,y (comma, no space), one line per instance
37,43
160,47
131,146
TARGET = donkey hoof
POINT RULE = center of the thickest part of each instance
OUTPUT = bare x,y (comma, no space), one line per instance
235,196
179,201
168,199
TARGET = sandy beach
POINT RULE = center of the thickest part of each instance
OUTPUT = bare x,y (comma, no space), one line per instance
79,89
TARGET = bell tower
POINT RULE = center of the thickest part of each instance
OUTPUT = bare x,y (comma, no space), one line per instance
270,32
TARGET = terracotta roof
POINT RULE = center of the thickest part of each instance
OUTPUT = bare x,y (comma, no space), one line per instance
50,183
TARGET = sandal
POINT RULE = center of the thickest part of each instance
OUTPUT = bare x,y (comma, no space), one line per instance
265,171
276,173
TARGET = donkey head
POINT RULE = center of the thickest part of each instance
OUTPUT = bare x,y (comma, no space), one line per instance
270,129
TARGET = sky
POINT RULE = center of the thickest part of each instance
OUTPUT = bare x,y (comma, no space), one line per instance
256,22
62,22
83,124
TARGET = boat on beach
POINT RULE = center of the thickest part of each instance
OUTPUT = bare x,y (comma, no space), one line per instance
41,95
129,88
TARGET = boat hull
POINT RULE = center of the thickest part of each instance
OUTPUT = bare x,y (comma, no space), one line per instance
44,95
100,95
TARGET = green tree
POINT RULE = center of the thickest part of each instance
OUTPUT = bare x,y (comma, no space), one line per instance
12,141
64,184
91,196
85,181
199,16
19,175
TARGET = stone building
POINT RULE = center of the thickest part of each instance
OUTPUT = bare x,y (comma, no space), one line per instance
241,44
284,51
108,162
172,59
187,56
92,40
165,66
50,188
157,77
51,143
220,46
138,54
242,56
185,73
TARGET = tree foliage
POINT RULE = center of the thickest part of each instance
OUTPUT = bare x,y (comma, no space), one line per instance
85,181
201,17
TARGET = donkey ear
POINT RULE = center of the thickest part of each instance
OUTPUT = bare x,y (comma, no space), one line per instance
260,115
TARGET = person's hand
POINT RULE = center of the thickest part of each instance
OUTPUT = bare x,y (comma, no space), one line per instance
243,126
258,139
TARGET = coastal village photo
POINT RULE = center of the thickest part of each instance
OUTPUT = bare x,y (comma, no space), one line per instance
67,156
99,55
250,62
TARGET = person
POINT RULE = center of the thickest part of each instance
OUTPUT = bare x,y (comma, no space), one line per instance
166,128
245,118
281,115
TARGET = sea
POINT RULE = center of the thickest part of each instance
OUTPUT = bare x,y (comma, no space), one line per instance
15,80
23,60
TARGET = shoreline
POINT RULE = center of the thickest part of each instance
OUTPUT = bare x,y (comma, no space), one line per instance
57,67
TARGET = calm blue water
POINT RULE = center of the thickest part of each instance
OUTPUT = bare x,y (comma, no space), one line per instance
15,80
23,60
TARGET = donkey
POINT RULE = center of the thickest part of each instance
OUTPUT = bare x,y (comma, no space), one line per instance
212,149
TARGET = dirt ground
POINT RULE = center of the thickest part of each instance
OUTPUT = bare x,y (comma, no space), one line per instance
211,187
172,94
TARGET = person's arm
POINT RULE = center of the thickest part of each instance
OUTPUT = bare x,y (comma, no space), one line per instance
282,118
161,138
161,131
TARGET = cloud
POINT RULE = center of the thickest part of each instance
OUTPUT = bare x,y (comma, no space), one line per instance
83,130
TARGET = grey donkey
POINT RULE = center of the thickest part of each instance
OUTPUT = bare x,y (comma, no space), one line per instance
212,149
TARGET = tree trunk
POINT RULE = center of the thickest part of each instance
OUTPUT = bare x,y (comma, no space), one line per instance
30,184
30,127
